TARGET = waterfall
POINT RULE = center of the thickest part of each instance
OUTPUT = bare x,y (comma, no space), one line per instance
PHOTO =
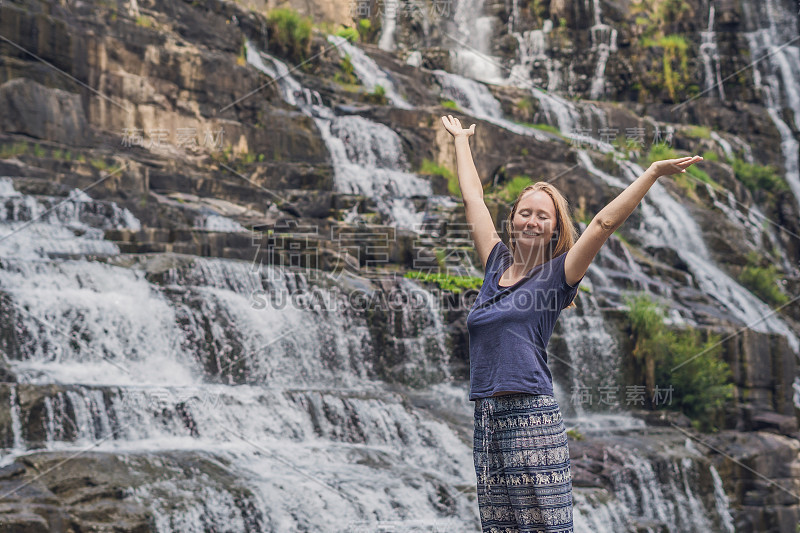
589,343
368,157
370,74
532,49
16,424
48,226
604,41
473,97
773,29
184,367
722,502
388,25
470,55
710,55
215,222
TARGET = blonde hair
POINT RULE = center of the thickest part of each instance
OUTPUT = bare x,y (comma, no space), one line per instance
567,234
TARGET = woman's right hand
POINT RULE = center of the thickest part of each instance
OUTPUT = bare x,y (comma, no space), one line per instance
453,125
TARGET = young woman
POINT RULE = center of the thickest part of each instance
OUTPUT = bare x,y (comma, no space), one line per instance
520,446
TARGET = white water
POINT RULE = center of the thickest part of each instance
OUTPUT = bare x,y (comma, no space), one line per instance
710,55
604,42
35,228
475,98
370,74
214,222
470,53
368,157
722,502
777,77
667,223
388,25
304,420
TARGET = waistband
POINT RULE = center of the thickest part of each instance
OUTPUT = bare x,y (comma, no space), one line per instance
516,401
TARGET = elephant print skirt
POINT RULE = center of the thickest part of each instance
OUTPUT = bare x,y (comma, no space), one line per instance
522,465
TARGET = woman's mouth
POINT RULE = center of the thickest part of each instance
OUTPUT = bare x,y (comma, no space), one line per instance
531,233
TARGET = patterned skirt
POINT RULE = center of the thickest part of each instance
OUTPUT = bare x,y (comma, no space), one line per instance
522,465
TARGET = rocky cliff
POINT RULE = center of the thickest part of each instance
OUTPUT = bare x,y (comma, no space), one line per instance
195,137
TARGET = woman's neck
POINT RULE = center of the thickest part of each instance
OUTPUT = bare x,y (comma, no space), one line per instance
524,260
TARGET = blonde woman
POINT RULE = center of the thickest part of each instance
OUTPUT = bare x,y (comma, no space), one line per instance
520,446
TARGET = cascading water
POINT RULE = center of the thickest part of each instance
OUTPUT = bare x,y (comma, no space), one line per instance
368,158
604,42
162,360
470,47
710,55
772,36
368,71
474,98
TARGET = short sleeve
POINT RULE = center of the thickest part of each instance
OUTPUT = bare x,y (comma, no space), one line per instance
493,262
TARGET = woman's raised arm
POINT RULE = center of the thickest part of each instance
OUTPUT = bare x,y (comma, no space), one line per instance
481,225
611,217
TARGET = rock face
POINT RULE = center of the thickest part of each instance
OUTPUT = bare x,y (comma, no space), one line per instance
36,111
154,106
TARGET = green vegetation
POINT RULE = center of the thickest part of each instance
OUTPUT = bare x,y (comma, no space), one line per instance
698,132
763,281
627,146
449,104
241,59
239,161
756,177
543,127
509,192
524,104
700,379
575,434
708,155
366,31
351,34
675,48
378,96
35,149
347,72
660,151
99,164
447,282
431,168
144,21
289,34
8,151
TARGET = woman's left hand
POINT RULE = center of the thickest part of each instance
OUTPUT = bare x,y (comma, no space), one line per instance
667,167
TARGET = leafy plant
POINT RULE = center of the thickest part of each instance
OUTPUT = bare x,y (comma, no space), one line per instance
699,132
756,177
509,192
432,168
447,282
763,281
701,381
289,33
347,72
674,48
351,34
378,96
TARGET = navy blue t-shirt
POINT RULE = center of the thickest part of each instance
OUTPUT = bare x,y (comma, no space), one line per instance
509,327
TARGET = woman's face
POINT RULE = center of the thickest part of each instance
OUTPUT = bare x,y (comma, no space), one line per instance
535,220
